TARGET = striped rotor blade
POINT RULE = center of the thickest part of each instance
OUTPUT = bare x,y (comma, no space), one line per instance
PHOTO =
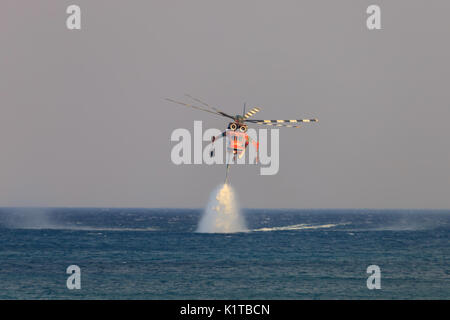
251,112
283,121
278,124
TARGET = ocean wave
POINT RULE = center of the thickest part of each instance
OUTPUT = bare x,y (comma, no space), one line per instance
302,226
80,228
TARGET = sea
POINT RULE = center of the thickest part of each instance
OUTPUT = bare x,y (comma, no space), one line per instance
126,253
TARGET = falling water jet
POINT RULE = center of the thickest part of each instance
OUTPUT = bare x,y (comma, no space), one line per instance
222,214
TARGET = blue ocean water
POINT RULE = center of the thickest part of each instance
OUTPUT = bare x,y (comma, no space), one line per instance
287,254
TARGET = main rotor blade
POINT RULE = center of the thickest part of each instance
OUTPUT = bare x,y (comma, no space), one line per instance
251,113
282,121
207,105
226,115
278,124
198,108
200,101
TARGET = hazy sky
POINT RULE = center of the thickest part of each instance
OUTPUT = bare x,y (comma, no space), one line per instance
83,120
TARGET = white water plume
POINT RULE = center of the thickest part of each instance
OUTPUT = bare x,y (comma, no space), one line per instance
29,218
222,215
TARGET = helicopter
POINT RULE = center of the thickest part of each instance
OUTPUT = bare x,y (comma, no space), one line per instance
236,132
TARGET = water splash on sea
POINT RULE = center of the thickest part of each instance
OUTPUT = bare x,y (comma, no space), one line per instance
222,214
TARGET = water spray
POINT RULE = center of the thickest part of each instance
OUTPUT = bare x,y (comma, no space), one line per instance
222,214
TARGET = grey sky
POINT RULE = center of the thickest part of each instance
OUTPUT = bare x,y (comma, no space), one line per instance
83,121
